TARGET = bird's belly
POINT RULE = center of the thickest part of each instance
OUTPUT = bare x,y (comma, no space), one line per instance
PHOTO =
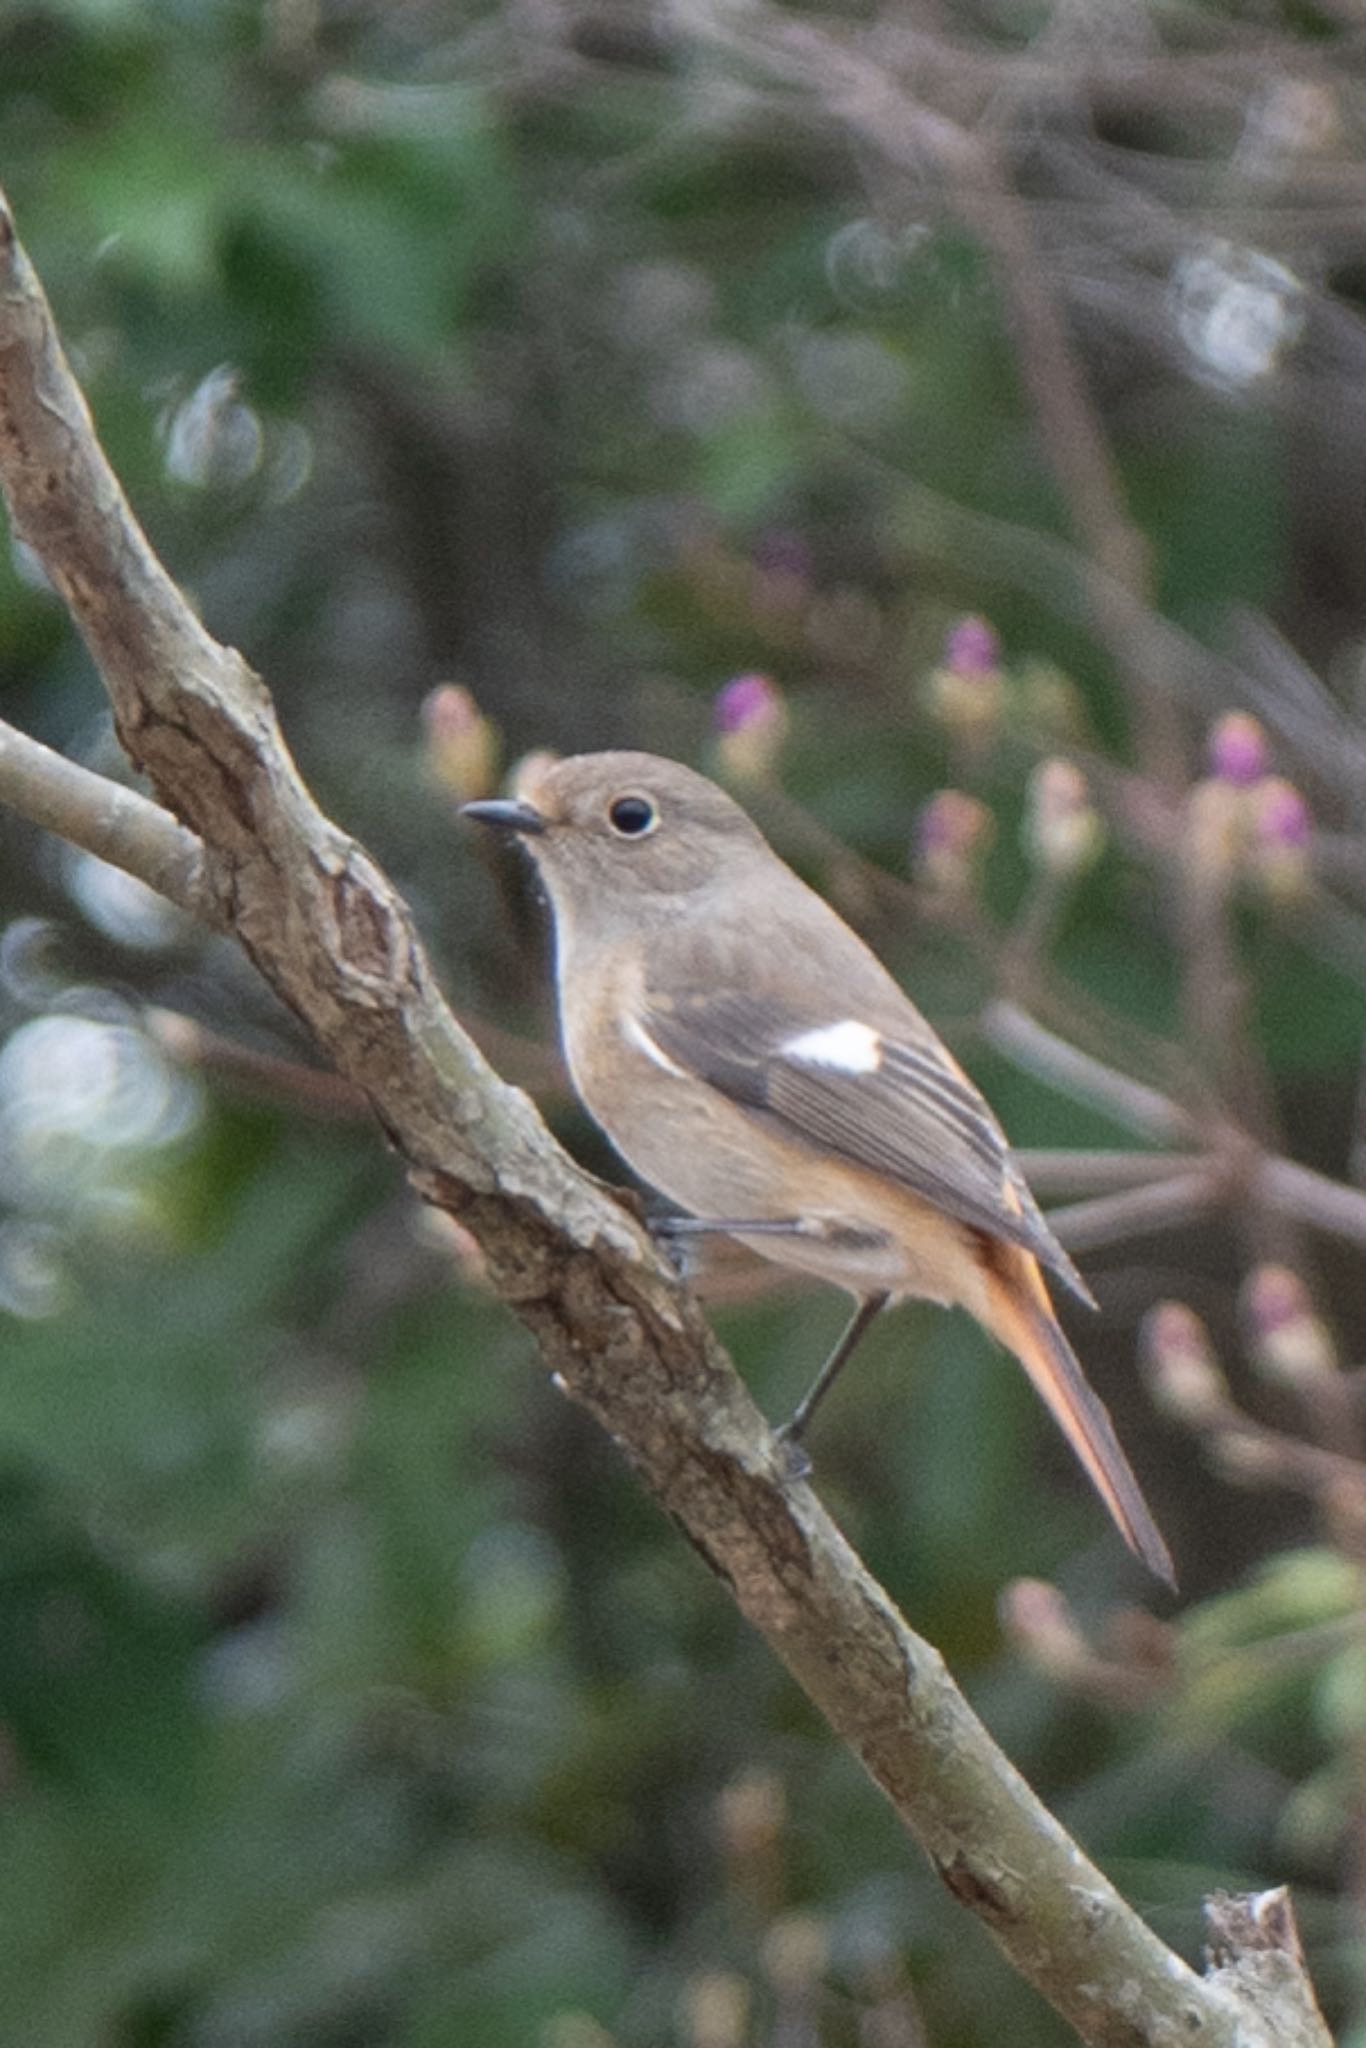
858,1231
704,1159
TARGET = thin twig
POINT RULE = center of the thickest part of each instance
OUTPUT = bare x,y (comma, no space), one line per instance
1280,1186
1061,1172
1165,1205
315,1090
1309,1197
105,818
1031,1045
1216,1011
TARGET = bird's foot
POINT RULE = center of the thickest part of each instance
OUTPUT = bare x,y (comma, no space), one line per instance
796,1457
676,1245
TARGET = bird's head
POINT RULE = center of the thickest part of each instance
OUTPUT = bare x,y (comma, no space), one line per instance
611,831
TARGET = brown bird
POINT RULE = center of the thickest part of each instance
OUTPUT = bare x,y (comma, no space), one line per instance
749,1057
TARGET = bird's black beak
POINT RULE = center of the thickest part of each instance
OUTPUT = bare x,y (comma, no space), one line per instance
506,814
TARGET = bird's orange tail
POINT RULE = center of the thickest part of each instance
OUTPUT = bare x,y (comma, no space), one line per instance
1022,1317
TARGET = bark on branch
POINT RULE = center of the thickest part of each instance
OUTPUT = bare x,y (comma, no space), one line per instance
331,937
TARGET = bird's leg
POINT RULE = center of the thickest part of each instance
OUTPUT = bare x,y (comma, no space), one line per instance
674,1233
675,1228
794,1429
713,1226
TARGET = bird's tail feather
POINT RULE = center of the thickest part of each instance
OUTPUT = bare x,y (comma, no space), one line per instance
1022,1317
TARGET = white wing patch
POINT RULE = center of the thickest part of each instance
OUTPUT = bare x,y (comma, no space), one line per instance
850,1047
640,1038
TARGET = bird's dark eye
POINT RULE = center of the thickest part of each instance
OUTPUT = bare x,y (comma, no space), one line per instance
632,816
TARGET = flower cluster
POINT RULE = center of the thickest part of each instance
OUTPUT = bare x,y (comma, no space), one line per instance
1245,823
971,693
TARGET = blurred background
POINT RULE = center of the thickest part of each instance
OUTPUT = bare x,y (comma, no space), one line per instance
944,422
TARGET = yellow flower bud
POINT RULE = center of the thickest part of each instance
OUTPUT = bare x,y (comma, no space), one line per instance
1063,832
462,745
1182,1370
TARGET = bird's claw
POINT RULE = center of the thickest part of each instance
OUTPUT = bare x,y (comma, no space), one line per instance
796,1458
672,1243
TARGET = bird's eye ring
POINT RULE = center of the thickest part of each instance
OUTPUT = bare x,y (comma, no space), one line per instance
632,816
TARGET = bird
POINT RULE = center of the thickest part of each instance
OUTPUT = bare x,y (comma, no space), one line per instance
752,1060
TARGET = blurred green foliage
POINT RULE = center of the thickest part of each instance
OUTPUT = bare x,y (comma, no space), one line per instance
349,1693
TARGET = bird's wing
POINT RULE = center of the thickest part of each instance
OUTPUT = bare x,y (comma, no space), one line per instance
890,1100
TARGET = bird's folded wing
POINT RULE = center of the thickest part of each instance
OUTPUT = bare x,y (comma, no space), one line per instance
889,1104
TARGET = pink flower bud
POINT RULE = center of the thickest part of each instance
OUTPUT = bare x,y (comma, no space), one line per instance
1282,815
746,701
971,648
1063,832
1238,751
953,832
1288,1340
1282,839
750,719
462,746
1182,1371
966,692
1132,1667
1043,1628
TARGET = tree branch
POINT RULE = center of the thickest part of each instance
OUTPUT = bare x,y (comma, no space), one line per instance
1069,1172
105,818
1254,1938
332,938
